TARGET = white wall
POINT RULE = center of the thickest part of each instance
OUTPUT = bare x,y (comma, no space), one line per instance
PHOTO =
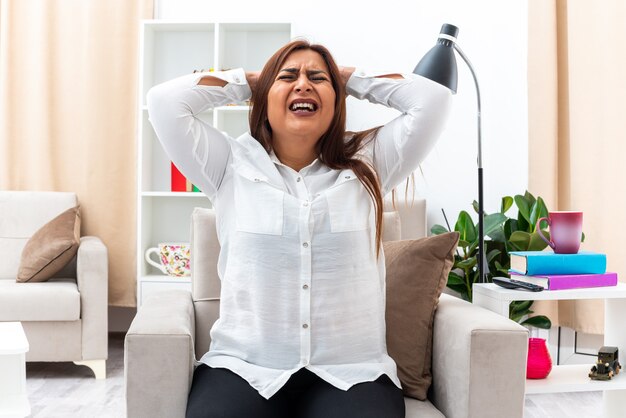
393,35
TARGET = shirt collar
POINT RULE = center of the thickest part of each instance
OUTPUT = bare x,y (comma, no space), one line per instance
276,161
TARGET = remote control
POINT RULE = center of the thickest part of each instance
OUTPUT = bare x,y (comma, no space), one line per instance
516,284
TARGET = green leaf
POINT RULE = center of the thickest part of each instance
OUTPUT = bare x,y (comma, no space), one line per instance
539,321
520,239
465,226
537,211
467,264
497,234
529,198
533,216
536,243
521,306
475,206
438,229
542,208
493,254
510,226
507,202
583,238
522,223
523,206
493,221
454,278
516,317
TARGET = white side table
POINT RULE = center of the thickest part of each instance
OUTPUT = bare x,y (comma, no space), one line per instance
572,378
13,349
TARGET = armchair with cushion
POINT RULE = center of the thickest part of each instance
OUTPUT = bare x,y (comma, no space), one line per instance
63,312
478,357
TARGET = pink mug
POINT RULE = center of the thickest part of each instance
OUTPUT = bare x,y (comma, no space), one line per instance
566,230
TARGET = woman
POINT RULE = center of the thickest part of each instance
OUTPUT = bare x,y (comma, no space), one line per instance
298,201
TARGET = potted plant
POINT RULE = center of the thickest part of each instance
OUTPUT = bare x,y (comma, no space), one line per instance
502,235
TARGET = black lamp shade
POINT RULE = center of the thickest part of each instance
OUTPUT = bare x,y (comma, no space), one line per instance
439,64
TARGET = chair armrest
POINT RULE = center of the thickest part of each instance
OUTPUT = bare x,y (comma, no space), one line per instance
479,362
92,279
159,356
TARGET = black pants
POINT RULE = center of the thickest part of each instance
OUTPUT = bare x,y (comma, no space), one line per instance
220,393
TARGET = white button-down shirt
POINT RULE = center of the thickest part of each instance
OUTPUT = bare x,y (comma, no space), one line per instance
301,284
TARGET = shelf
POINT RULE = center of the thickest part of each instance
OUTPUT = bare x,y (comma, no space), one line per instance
162,278
573,378
233,108
174,194
496,292
162,25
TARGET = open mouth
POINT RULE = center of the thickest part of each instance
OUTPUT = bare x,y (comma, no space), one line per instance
303,107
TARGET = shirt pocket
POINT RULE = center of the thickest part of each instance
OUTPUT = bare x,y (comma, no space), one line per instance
349,204
259,205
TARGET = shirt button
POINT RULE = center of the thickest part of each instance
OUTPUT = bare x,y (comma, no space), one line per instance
257,180
347,177
305,204
305,244
299,179
305,326
236,79
305,287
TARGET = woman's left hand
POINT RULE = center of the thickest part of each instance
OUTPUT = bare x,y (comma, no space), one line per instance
345,72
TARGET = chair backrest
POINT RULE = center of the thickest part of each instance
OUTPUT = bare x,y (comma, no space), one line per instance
407,221
21,215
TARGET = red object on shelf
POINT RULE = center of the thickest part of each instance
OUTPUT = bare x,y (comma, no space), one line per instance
179,182
539,363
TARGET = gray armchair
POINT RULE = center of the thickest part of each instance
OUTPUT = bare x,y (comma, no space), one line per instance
479,357
64,318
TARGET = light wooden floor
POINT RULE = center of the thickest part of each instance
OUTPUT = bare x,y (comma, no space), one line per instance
64,390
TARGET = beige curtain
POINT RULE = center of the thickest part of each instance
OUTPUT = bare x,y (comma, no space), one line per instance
577,147
68,88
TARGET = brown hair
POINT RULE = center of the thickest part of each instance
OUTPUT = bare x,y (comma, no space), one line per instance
332,148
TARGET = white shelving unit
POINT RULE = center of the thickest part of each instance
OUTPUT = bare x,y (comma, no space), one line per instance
169,49
572,378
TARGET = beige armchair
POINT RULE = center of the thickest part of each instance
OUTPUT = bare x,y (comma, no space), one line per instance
64,318
479,357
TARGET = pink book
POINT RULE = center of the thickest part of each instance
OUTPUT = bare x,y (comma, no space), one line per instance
568,281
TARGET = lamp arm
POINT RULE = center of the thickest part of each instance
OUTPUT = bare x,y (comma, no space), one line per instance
471,68
482,259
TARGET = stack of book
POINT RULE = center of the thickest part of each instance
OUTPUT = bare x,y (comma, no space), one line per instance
180,183
561,271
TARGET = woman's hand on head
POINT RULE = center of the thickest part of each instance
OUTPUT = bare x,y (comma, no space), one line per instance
252,77
345,72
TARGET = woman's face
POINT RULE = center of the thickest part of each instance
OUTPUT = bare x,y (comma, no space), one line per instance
301,102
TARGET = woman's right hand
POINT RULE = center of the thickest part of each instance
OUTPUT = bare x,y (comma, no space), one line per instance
252,77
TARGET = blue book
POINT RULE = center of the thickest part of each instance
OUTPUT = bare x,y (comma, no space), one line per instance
547,262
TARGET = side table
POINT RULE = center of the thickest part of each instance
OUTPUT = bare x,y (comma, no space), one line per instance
572,378
13,348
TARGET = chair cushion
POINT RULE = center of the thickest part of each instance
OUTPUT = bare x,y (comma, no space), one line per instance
421,409
54,300
50,248
417,272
